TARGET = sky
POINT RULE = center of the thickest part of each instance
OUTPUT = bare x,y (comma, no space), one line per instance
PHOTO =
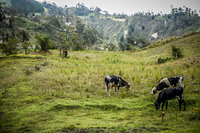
130,7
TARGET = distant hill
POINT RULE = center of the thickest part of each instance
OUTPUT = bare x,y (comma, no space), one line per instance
94,26
144,25
45,19
23,6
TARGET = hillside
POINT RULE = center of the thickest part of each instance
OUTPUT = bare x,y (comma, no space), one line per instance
95,28
68,95
52,22
143,25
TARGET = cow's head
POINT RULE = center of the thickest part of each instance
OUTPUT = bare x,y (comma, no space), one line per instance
180,82
157,105
127,85
154,90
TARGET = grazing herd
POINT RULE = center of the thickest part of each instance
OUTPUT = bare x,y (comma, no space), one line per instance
174,89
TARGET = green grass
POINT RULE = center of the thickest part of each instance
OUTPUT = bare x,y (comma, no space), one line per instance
25,23
69,94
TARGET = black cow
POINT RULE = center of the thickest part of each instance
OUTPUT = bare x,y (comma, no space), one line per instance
168,82
115,81
170,94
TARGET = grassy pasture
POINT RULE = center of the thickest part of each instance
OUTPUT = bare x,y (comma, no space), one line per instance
68,95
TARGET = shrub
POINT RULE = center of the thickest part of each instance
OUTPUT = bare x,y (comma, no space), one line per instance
176,52
9,47
163,60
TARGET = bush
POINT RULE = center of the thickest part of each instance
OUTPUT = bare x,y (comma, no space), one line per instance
163,60
176,52
44,42
9,47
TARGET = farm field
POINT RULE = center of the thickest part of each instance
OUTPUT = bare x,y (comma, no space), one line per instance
69,95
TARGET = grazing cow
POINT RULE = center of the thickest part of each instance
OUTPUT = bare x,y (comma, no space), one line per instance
168,82
115,81
170,94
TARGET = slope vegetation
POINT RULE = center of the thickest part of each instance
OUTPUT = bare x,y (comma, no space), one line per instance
68,95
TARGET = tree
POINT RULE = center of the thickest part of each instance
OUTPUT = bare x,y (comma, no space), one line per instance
111,47
44,42
77,42
79,27
23,35
9,47
97,11
121,46
130,40
25,46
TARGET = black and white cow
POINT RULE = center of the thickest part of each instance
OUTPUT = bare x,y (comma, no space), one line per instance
115,81
176,81
170,94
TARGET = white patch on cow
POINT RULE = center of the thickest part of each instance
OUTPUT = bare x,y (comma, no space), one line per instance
108,77
178,97
165,80
154,89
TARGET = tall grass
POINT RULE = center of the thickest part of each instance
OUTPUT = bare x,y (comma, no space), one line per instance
70,95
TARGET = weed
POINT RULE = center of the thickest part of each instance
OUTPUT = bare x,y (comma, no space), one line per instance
121,72
28,71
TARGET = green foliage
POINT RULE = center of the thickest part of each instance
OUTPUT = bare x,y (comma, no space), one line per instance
23,35
26,6
44,42
142,25
89,35
111,47
121,46
163,60
53,8
130,40
77,43
26,45
55,22
10,47
176,52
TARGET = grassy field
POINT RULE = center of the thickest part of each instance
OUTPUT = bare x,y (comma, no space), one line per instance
68,95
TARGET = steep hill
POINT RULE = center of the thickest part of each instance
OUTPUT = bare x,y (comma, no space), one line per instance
145,25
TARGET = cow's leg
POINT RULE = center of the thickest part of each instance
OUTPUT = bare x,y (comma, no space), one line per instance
108,87
163,103
108,91
181,100
166,104
115,90
183,103
180,103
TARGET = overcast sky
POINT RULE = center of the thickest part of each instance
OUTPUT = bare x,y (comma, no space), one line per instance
132,6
